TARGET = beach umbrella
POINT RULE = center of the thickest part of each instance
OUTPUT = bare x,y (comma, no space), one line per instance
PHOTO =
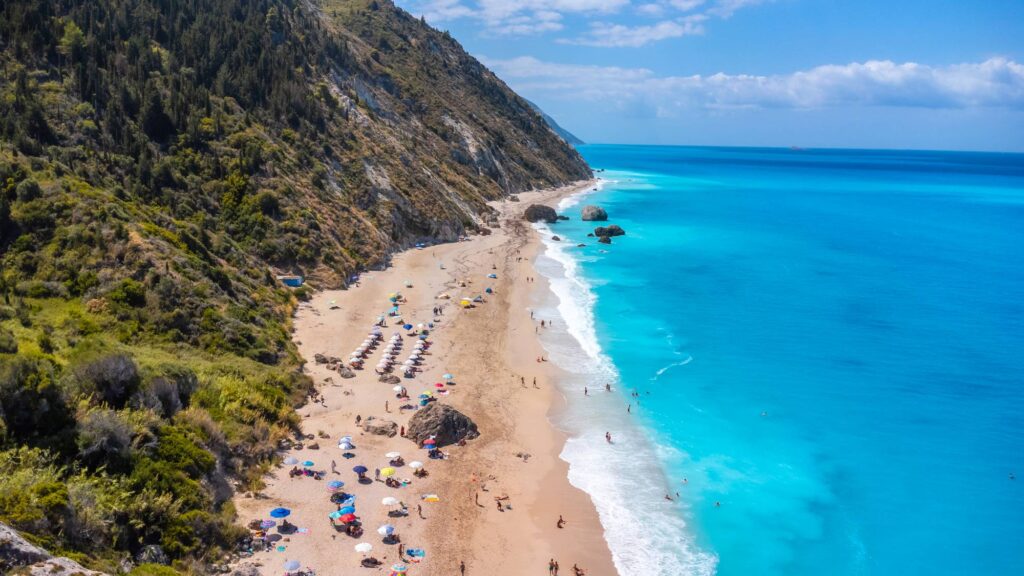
439,385
431,498
335,484
386,530
280,513
423,336
389,501
398,388
308,463
392,455
350,501
346,446
266,524
386,472
292,565
407,327
360,469
429,442
347,510
364,547
415,464
492,275
448,377
291,461
398,569
347,518
334,515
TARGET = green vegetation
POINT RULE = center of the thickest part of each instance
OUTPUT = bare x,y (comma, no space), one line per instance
160,162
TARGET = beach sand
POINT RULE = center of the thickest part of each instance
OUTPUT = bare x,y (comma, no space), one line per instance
487,348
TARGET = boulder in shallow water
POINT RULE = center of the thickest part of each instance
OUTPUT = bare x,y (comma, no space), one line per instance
442,422
540,213
380,427
594,214
609,231
604,240
556,238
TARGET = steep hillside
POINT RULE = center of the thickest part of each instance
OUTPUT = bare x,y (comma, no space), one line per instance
160,162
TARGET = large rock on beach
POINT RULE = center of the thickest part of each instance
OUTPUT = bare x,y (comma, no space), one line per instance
390,379
19,556
380,427
346,372
319,358
446,424
540,213
594,214
609,231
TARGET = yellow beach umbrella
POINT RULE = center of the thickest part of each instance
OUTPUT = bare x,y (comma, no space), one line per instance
386,472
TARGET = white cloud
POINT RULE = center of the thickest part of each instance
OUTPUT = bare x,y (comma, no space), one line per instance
686,5
726,8
609,35
994,83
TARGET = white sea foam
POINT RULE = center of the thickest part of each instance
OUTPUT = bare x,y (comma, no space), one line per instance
646,533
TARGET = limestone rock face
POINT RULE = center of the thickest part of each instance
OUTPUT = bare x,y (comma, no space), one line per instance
380,427
540,213
442,422
594,214
19,554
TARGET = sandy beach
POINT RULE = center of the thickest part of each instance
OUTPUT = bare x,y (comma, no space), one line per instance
492,350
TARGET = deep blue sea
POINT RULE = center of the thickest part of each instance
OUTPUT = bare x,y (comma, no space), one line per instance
827,345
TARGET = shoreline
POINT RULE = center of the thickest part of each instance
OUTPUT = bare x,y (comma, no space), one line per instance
513,418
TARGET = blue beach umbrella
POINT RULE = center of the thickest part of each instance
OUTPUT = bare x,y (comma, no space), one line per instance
386,530
280,513
334,515
347,510
360,469
448,377
335,484
307,463
265,524
292,565
291,461
350,501
407,327
492,275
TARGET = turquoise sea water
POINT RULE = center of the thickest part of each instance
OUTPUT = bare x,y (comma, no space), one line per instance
830,344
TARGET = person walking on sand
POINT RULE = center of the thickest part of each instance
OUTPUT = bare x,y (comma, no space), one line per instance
386,409
561,522
608,437
586,391
334,467
419,511
551,567
376,474
462,567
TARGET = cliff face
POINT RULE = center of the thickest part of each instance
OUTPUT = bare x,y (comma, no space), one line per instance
160,160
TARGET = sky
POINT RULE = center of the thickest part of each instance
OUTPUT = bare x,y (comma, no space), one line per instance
924,74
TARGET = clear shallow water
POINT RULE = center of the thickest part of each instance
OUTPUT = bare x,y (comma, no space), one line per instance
828,343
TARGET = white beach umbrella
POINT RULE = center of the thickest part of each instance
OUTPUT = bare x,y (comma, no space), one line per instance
415,464
364,547
392,455
398,388
389,501
386,530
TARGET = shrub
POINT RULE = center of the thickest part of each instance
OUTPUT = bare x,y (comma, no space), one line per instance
112,379
153,570
129,292
31,403
104,438
8,345
28,190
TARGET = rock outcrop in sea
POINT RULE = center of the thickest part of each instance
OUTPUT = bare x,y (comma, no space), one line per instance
609,231
593,213
441,422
